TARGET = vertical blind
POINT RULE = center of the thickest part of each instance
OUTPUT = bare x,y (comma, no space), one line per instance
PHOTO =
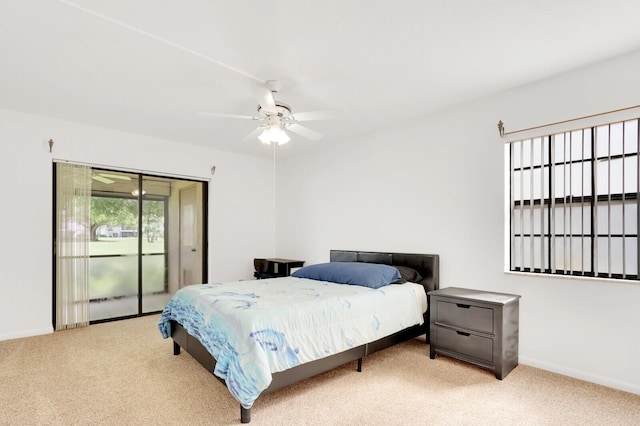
574,202
73,207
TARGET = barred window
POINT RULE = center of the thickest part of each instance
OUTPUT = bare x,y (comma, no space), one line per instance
574,202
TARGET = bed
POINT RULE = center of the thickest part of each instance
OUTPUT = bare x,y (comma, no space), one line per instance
293,366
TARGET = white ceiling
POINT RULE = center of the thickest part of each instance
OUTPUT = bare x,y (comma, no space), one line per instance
381,61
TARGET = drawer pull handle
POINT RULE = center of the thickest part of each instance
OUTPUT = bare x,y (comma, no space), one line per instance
462,333
460,305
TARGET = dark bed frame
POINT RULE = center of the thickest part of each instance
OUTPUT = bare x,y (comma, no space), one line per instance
427,266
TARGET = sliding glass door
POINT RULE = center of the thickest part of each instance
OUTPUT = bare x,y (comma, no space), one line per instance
138,228
113,262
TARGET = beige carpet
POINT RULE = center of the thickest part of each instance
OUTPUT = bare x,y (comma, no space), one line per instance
124,373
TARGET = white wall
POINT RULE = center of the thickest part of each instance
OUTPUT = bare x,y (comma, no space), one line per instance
437,186
239,185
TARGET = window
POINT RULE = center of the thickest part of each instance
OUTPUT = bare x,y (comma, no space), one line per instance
574,202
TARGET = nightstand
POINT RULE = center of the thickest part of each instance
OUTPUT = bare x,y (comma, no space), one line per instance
275,267
475,326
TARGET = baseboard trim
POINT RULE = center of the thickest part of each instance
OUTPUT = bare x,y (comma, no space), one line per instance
581,375
26,333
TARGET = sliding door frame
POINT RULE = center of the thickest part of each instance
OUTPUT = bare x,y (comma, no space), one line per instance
141,175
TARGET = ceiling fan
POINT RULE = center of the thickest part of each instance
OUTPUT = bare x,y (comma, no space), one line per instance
107,178
275,117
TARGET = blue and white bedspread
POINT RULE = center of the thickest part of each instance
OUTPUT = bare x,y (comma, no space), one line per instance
256,328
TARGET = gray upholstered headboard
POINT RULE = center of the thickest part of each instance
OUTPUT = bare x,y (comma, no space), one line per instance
427,265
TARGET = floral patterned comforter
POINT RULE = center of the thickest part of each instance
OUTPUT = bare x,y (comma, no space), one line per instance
256,328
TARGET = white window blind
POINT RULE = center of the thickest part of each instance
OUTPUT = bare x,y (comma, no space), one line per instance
73,208
574,202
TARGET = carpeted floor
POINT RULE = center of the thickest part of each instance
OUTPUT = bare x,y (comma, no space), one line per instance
124,373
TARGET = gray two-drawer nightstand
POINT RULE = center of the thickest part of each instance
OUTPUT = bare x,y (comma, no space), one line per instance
475,326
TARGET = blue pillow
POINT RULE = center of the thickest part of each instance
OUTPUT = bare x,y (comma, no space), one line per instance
372,275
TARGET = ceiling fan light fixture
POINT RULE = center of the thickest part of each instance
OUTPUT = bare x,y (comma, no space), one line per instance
274,134
282,137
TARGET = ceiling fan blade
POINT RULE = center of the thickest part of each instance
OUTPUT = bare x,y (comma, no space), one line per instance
163,40
216,114
318,115
112,176
267,102
304,131
102,179
254,134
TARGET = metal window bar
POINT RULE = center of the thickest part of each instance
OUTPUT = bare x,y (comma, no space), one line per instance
624,239
514,207
552,205
569,147
522,206
542,257
512,225
582,202
609,201
594,198
532,260
564,205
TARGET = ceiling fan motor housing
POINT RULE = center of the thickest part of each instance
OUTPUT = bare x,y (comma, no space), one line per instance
282,110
